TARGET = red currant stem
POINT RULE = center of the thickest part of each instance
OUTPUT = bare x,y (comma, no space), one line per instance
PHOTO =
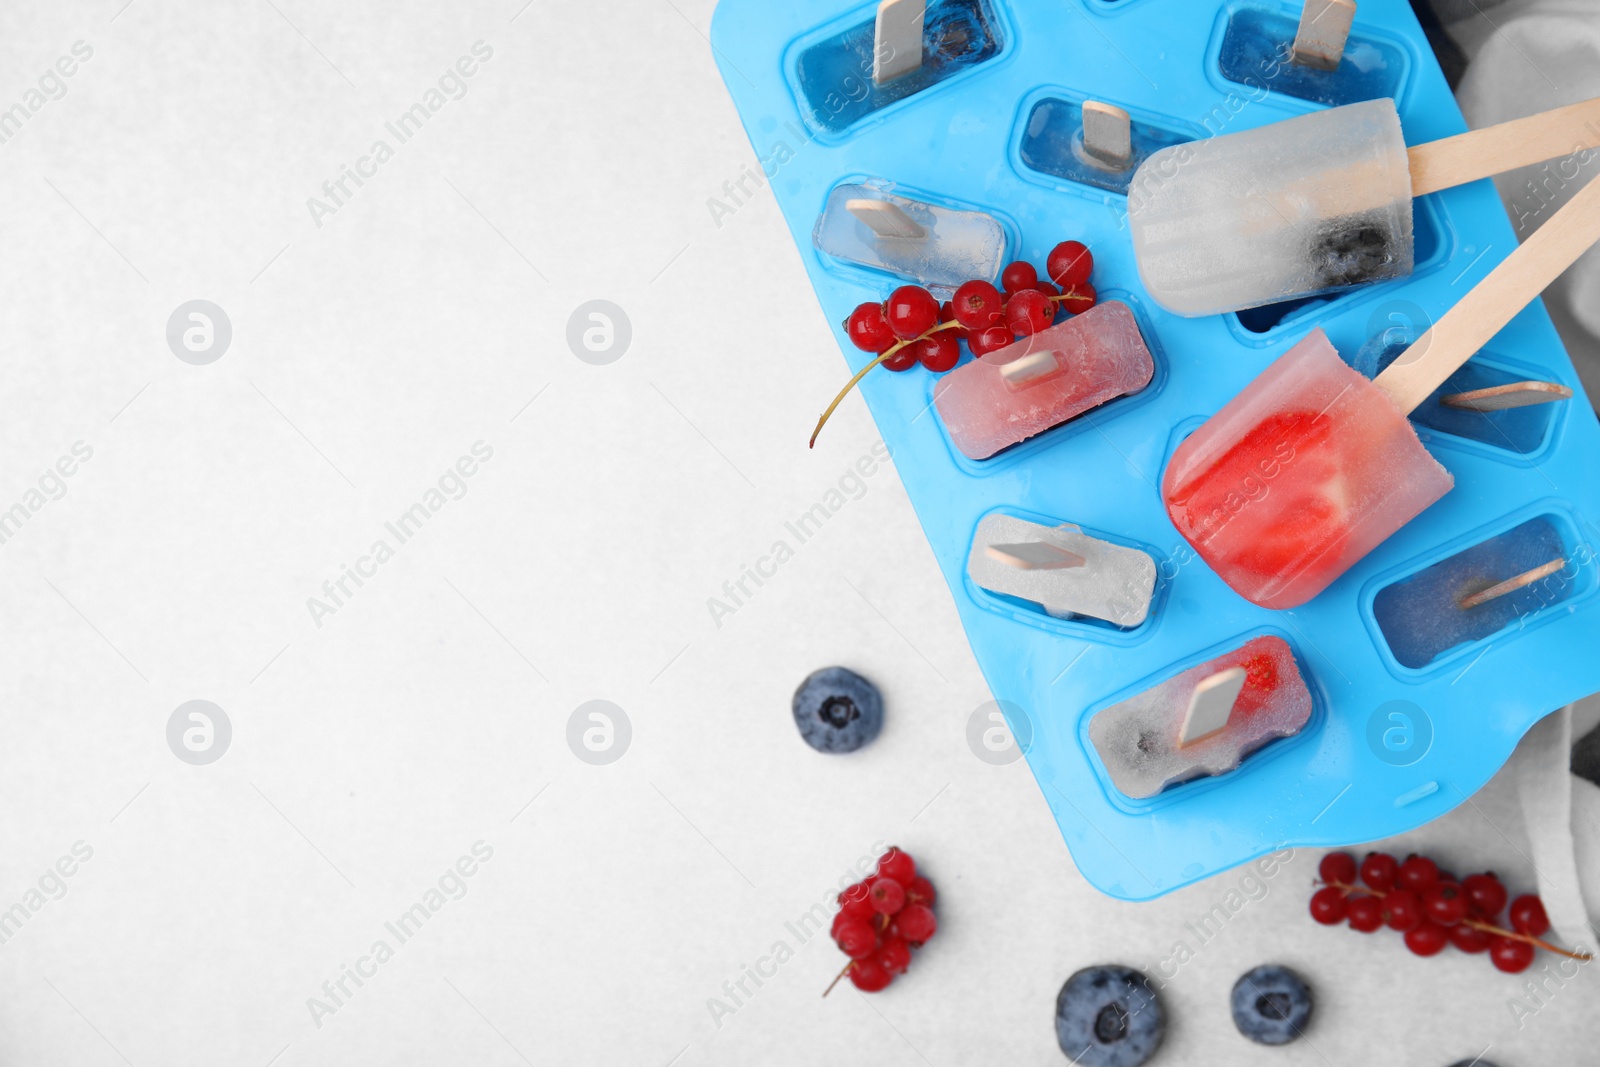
862,373
838,977
1512,935
1071,291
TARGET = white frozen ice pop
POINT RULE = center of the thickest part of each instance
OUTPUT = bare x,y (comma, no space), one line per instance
1314,203
1062,569
938,246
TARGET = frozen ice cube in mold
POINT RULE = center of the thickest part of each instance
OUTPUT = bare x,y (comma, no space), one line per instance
1108,582
1138,739
1298,477
1423,616
1042,381
1053,144
1308,205
1257,53
836,86
953,246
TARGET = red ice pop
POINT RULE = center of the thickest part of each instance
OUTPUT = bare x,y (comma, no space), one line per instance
1312,465
1042,381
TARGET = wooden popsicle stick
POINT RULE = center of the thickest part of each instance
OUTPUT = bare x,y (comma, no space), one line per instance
1510,395
1035,556
1211,705
1511,585
1107,134
885,219
1495,301
1466,157
897,39
1324,28
1031,368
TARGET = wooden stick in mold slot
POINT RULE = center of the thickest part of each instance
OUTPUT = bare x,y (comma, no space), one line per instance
1035,556
1324,29
885,219
1495,301
1504,397
1107,135
1211,705
1511,585
897,39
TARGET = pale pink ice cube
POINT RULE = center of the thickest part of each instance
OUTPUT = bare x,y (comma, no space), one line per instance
1042,381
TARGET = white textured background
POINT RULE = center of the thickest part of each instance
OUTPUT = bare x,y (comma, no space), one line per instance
369,753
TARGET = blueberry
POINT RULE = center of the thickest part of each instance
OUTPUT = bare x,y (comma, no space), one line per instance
1271,1005
837,710
1109,1017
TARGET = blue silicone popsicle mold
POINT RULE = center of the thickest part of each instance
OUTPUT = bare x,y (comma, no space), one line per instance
1389,747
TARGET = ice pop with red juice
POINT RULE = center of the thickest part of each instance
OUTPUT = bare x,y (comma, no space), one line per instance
1043,380
1314,203
1143,741
1312,465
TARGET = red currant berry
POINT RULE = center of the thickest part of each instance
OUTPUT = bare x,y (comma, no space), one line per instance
1528,917
869,330
1468,939
990,340
920,891
977,304
1365,913
912,311
917,923
1028,312
1378,871
939,351
1446,904
1404,909
1417,873
1328,906
1070,264
903,359
1510,956
1046,288
898,865
869,976
1018,276
1338,867
894,956
1427,939
1079,298
888,896
856,939
1488,896
854,902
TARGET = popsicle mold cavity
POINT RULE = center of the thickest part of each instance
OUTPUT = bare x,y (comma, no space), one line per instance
1052,143
1008,396
1138,738
1298,477
1256,50
954,247
1423,617
1308,205
836,88
1111,582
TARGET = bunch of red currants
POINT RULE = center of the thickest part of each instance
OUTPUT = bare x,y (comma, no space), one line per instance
1432,908
881,919
912,327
